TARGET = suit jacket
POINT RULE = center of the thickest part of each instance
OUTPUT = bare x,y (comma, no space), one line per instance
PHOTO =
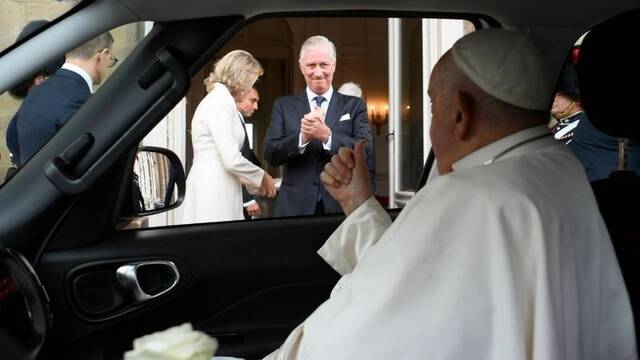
597,151
12,139
248,154
46,109
346,117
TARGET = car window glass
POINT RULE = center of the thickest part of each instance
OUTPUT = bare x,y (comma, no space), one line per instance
27,127
389,61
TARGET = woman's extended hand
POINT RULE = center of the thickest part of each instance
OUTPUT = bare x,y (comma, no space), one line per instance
268,186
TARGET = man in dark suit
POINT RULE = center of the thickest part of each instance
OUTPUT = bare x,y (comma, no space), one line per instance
51,104
21,90
246,106
306,129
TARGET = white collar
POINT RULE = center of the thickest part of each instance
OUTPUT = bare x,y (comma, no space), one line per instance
241,116
80,71
327,95
510,145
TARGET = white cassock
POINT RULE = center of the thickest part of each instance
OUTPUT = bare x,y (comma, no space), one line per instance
508,259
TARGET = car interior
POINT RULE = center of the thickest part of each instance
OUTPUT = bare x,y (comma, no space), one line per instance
616,193
78,282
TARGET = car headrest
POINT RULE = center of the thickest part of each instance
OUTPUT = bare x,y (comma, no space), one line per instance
609,75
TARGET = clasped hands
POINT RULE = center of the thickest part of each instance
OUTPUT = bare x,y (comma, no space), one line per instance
312,126
346,177
267,186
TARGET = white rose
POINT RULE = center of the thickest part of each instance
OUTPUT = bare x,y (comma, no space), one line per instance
176,343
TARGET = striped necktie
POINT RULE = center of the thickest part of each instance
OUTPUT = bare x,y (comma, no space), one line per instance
319,100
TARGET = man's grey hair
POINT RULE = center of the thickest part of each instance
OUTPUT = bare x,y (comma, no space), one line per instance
91,47
350,88
317,41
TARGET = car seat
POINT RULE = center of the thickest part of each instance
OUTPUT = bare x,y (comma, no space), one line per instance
608,77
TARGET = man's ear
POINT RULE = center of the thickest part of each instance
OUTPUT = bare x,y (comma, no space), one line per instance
96,59
464,107
100,56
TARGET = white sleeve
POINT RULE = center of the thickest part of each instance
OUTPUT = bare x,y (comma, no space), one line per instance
363,228
220,120
290,349
327,145
342,251
248,203
302,147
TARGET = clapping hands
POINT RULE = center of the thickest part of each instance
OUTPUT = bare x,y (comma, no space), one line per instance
312,126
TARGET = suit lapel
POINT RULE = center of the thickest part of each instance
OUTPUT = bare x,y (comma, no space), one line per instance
303,104
246,151
245,144
302,107
333,112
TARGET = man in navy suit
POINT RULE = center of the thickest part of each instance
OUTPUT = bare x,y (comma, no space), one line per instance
306,129
51,104
21,90
246,106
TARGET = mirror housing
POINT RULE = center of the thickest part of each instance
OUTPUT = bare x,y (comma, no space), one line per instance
158,183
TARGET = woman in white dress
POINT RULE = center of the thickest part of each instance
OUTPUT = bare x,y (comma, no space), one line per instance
214,184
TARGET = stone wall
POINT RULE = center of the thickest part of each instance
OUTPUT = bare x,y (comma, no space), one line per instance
15,14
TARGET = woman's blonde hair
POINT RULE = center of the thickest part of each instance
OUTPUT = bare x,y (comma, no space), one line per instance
238,71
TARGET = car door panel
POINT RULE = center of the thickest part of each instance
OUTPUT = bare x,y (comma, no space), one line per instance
248,283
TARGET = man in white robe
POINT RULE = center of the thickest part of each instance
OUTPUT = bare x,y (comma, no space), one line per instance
503,256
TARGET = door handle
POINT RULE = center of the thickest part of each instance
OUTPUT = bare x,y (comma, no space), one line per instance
147,280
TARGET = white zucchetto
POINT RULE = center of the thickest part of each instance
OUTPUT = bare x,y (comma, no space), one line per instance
506,65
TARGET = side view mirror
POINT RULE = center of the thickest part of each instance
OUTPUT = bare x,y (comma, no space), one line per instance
158,182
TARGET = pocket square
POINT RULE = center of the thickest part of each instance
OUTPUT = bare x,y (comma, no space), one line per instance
345,117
